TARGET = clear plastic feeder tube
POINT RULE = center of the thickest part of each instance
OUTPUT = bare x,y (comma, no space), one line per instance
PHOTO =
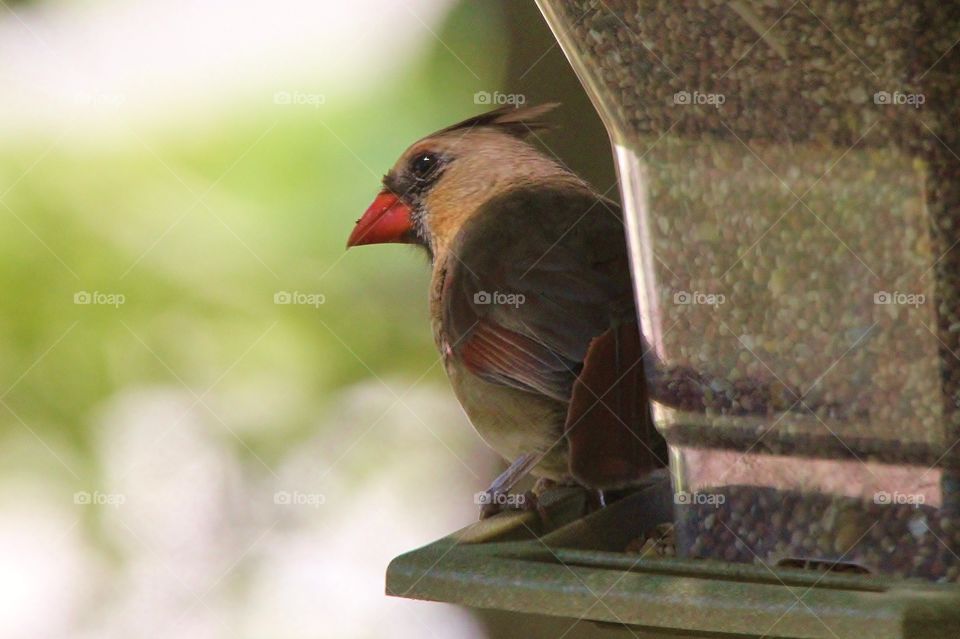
791,184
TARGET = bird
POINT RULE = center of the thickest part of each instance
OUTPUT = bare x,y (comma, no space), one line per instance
531,301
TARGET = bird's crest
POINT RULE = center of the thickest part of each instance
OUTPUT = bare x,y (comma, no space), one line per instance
516,121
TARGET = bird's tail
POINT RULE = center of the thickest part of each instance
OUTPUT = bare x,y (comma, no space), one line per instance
613,442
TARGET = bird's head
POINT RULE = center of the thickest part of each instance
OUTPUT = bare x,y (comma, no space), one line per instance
441,181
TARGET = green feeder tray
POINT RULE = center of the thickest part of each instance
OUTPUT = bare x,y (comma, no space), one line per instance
577,568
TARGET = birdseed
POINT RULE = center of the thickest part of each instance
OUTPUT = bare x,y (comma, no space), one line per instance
801,178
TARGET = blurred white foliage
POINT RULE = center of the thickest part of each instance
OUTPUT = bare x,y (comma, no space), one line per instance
200,548
47,566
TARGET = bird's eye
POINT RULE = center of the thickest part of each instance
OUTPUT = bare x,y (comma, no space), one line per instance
423,165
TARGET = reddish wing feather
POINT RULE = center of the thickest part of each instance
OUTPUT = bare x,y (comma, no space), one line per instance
502,356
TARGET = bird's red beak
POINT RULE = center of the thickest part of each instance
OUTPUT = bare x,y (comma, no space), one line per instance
386,220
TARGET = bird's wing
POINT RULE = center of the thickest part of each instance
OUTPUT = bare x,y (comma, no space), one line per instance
531,280
538,297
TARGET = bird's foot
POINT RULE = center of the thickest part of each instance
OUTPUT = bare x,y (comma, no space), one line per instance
542,485
494,502
498,497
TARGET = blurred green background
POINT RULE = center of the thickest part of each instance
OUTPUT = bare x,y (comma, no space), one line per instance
184,454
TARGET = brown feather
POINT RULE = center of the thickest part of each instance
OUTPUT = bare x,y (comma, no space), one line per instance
612,438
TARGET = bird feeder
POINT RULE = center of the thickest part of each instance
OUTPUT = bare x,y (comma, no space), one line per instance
790,175
791,185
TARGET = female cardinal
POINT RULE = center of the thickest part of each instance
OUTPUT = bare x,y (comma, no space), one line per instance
531,301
